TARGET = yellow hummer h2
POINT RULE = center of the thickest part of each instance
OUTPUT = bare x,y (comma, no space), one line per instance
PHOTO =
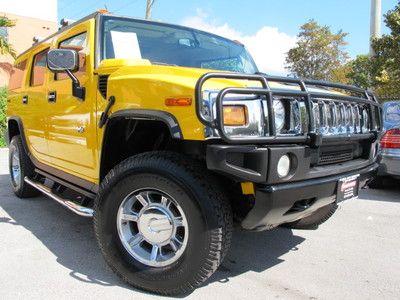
128,121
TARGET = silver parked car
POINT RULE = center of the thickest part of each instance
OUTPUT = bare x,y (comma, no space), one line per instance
390,145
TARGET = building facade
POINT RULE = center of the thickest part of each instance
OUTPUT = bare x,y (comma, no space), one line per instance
32,19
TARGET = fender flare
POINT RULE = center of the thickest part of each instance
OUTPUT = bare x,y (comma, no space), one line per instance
140,114
149,114
21,132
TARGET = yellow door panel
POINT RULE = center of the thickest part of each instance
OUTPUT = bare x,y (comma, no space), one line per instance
33,107
72,125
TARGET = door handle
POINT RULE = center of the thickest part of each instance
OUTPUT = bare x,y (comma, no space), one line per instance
25,100
52,97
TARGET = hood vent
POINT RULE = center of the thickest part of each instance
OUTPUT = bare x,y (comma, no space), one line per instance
102,85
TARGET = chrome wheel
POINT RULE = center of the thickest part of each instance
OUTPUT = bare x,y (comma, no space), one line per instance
15,167
152,227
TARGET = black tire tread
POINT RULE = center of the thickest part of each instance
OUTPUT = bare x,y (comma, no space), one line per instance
220,241
317,218
377,183
27,169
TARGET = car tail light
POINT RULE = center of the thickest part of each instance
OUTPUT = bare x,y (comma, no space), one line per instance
391,139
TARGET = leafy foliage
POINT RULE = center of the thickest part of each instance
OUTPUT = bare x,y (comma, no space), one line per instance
3,119
361,71
4,22
318,52
341,74
5,47
381,72
387,57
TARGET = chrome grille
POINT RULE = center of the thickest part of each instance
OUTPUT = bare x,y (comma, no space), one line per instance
336,118
314,110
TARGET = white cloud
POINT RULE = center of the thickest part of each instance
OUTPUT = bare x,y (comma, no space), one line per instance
268,45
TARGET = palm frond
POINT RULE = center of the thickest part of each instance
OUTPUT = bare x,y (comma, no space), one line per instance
5,22
6,48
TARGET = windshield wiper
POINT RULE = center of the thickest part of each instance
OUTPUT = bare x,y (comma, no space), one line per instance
162,63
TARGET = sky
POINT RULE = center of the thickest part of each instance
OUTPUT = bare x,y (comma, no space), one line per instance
268,28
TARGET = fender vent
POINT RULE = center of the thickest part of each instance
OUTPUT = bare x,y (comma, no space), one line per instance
102,85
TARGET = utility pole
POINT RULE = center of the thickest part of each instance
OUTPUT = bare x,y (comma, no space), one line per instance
149,7
376,13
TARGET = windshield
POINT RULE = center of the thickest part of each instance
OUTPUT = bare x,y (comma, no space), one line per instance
172,45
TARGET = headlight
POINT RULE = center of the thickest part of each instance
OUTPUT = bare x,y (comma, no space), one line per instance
242,115
279,111
235,115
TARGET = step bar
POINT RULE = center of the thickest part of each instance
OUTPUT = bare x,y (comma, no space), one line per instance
72,206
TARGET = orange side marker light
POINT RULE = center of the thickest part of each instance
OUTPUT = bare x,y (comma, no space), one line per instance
178,101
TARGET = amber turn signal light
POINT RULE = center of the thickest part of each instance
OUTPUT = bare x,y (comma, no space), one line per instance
178,101
235,115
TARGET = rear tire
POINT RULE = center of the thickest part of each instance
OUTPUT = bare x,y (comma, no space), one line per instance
197,199
317,218
377,183
20,167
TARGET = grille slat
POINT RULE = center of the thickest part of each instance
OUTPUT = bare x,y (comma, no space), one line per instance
337,118
335,157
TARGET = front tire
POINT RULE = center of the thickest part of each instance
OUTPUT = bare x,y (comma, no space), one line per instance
176,226
20,167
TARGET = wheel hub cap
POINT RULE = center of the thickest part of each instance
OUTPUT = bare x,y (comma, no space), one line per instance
15,167
152,227
156,225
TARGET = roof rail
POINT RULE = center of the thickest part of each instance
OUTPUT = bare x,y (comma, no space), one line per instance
36,39
66,22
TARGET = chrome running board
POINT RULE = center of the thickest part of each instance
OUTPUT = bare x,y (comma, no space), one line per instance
72,206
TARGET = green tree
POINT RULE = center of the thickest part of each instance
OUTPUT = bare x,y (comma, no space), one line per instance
318,52
386,75
341,74
3,119
5,47
381,72
361,73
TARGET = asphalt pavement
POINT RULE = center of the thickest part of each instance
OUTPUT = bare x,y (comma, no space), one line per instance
46,252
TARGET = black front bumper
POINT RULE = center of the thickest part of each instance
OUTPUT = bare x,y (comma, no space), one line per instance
281,200
283,203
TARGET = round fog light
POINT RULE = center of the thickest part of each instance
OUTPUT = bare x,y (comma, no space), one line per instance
283,168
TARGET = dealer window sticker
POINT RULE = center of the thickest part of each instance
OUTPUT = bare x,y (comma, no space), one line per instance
126,45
